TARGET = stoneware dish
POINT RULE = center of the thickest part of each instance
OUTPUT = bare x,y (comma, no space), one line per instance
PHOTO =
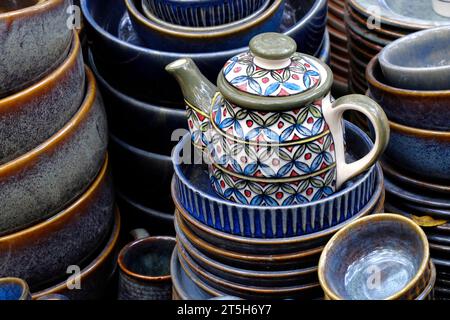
442,7
140,216
128,62
53,297
95,275
145,268
25,54
148,127
46,179
202,13
193,192
68,238
33,115
284,254
419,61
390,247
139,174
234,36
13,289
419,109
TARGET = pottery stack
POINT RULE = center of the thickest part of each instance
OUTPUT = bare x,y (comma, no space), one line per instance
56,193
130,44
373,24
414,90
339,58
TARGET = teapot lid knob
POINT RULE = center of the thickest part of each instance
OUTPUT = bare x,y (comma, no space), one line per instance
272,50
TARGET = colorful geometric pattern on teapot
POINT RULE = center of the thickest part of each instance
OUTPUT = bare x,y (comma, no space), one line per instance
249,192
242,73
199,127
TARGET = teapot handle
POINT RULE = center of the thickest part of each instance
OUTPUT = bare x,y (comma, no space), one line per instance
333,113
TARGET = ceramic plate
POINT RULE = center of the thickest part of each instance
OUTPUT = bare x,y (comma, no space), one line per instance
408,14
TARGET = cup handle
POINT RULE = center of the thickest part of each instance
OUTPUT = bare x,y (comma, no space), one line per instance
139,233
333,113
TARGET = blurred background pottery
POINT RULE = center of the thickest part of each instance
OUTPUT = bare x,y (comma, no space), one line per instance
207,39
96,274
418,61
42,253
203,13
13,289
33,115
43,181
43,25
53,297
387,242
145,268
441,7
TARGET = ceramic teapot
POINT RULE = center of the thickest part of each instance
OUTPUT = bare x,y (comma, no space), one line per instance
270,127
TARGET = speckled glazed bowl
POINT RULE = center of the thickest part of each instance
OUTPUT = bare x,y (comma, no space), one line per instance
41,254
41,182
31,116
94,276
13,289
34,39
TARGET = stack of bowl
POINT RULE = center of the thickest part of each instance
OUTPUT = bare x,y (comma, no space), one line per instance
130,44
410,82
339,58
380,257
373,24
55,189
258,252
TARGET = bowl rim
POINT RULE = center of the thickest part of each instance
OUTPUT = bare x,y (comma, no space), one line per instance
138,17
386,52
376,83
98,261
317,5
370,220
25,289
41,6
428,134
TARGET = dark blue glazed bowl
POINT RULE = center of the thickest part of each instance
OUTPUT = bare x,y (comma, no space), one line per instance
138,71
13,289
203,13
194,194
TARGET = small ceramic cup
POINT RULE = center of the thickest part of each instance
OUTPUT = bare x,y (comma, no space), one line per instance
442,7
14,289
145,268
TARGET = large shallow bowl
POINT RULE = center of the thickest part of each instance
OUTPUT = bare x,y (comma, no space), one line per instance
31,116
94,276
41,182
33,41
160,37
140,71
42,253
194,194
419,109
387,243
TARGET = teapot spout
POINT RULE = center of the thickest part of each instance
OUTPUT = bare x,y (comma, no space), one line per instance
197,90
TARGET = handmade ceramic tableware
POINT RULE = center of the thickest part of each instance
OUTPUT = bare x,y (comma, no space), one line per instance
66,239
140,174
380,257
273,135
46,179
33,115
145,268
408,63
53,297
428,292
125,62
203,14
196,196
442,7
14,289
94,276
34,40
419,109
235,36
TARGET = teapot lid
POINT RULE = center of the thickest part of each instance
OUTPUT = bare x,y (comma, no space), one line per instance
273,70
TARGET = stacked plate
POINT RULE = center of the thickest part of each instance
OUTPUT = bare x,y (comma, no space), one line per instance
132,41
255,252
339,58
373,24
